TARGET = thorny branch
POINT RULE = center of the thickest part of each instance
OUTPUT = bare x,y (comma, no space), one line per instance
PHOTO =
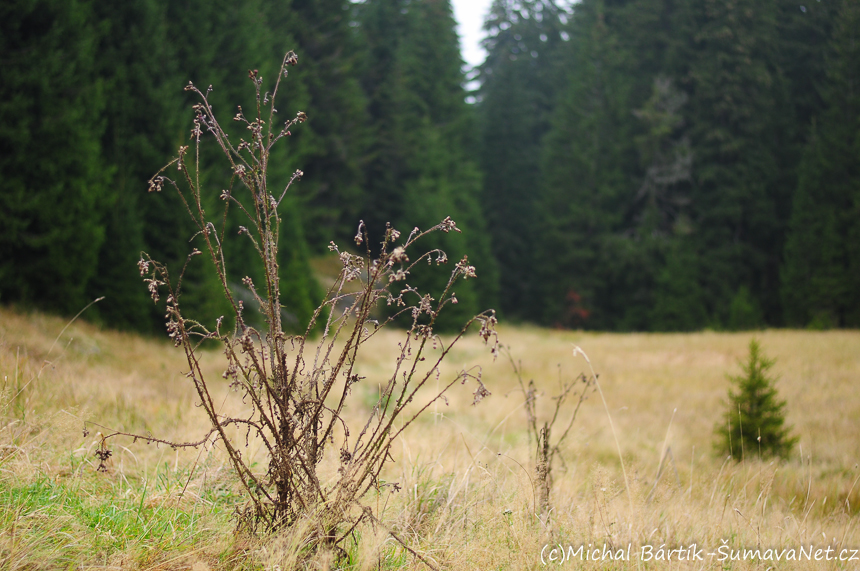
297,392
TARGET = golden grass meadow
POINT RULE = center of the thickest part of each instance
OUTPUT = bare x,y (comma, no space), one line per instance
465,473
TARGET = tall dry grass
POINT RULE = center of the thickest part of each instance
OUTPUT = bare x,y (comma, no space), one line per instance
465,474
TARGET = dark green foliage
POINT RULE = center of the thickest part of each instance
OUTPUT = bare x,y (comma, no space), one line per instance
125,305
744,311
754,424
142,121
420,170
626,165
671,164
520,81
381,25
332,144
822,259
738,99
678,299
299,295
582,186
92,102
54,177
215,44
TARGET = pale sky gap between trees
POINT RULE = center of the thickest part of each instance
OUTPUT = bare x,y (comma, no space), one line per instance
470,16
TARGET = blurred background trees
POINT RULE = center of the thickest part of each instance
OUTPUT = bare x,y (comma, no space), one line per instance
621,165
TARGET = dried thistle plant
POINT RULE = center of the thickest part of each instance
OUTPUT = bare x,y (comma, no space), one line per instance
546,451
299,385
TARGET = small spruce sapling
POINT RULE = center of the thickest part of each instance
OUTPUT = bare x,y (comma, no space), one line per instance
755,421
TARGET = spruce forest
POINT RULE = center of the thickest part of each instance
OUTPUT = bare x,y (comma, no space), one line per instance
624,165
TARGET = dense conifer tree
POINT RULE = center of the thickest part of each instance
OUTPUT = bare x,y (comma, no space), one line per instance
142,112
54,177
333,142
420,170
822,259
675,137
738,101
584,190
520,81
382,25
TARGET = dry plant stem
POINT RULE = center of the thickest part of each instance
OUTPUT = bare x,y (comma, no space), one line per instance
54,344
578,351
72,320
297,405
663,451
545,451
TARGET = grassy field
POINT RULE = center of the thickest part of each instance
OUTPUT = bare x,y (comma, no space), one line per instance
465,473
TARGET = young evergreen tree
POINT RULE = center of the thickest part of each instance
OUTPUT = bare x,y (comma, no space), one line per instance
754,424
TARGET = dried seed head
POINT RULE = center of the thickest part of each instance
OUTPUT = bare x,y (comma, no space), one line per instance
359,234
156,184
398,256
447,225
426,305
152,285
464,268
480,393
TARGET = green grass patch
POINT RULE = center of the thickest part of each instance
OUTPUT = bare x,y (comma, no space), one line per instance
63,522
